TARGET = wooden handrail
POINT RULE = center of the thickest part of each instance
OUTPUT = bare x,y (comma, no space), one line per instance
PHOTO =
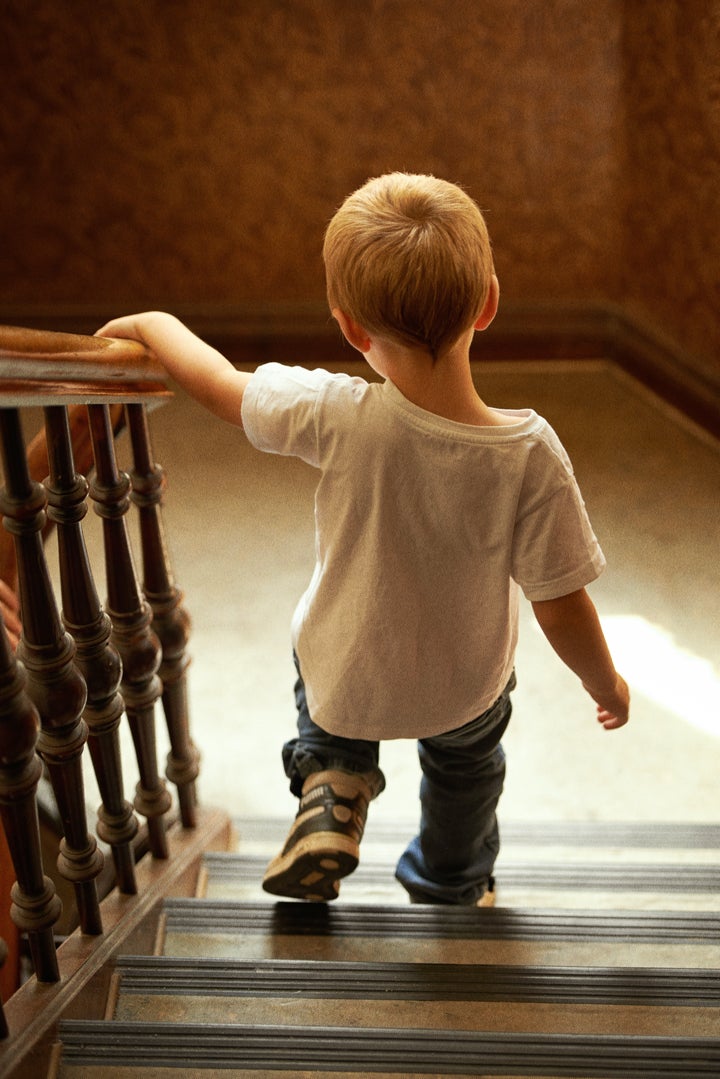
42,367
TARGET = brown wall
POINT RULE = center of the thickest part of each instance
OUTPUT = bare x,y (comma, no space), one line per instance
190,153
671,173
194,151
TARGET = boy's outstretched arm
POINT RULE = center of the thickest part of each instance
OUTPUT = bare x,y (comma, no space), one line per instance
201,370
572,627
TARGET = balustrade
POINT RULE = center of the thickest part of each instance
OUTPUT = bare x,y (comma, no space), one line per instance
78,671
97,660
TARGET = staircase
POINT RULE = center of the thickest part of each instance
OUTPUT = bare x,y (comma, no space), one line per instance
601,958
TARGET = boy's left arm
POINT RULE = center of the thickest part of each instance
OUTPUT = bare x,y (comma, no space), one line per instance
200,369
571,625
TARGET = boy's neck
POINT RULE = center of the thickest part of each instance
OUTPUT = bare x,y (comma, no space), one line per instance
444,387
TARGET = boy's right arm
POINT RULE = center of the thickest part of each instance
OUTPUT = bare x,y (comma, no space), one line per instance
201,370
572,627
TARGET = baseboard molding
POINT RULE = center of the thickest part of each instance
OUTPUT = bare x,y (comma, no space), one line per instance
665,368
522,330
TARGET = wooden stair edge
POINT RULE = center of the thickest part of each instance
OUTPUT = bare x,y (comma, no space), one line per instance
34,1011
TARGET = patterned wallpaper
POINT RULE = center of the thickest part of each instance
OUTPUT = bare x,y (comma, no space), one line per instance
191,152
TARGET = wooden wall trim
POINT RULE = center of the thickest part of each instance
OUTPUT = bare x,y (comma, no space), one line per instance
659,363
522,330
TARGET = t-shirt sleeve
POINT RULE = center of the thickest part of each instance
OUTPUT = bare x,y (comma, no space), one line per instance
555,550
278,410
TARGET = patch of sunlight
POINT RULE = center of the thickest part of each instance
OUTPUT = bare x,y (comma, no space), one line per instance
668,674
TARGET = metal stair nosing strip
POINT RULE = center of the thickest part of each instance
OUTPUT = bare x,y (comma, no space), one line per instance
345,919
367,1050
557,875
631,986
613,834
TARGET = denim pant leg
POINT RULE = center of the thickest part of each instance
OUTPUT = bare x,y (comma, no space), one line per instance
452,858
314,750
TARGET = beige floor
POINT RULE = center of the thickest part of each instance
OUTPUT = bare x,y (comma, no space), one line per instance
239,527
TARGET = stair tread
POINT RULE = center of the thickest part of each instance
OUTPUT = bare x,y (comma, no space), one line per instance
372,1049
434,995
421,981
569,865
295,930
611,834
439,921
661,877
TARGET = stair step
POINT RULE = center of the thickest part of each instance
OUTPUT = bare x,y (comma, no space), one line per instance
320,919
421,981
568,864
295,930
350,1051
241,874
612,834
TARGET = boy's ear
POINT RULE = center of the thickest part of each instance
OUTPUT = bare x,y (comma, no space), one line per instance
490,306
353,333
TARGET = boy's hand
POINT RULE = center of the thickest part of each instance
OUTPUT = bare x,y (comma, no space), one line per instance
128,327
613,708
201,370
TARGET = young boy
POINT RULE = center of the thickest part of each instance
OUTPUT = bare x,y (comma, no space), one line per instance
432,511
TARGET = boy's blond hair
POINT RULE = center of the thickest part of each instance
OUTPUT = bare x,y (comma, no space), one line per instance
408,258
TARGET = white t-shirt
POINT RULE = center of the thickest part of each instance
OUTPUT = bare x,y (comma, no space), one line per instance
425,528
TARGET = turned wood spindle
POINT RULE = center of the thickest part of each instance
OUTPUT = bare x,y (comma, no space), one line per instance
35,905
95,656
170,619
131,616
55,686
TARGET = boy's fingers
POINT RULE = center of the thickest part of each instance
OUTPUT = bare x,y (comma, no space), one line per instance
610,721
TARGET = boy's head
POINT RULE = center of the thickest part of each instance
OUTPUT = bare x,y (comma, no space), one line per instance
408,258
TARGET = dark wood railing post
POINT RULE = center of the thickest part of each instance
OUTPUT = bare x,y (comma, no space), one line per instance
55,686
138,646
96,658
35,906
170,620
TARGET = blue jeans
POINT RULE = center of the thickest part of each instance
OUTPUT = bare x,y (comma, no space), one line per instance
452,858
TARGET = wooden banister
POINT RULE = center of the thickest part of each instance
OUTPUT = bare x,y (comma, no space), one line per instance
77,672
38,367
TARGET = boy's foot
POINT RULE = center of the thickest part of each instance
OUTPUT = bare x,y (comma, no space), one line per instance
323,845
